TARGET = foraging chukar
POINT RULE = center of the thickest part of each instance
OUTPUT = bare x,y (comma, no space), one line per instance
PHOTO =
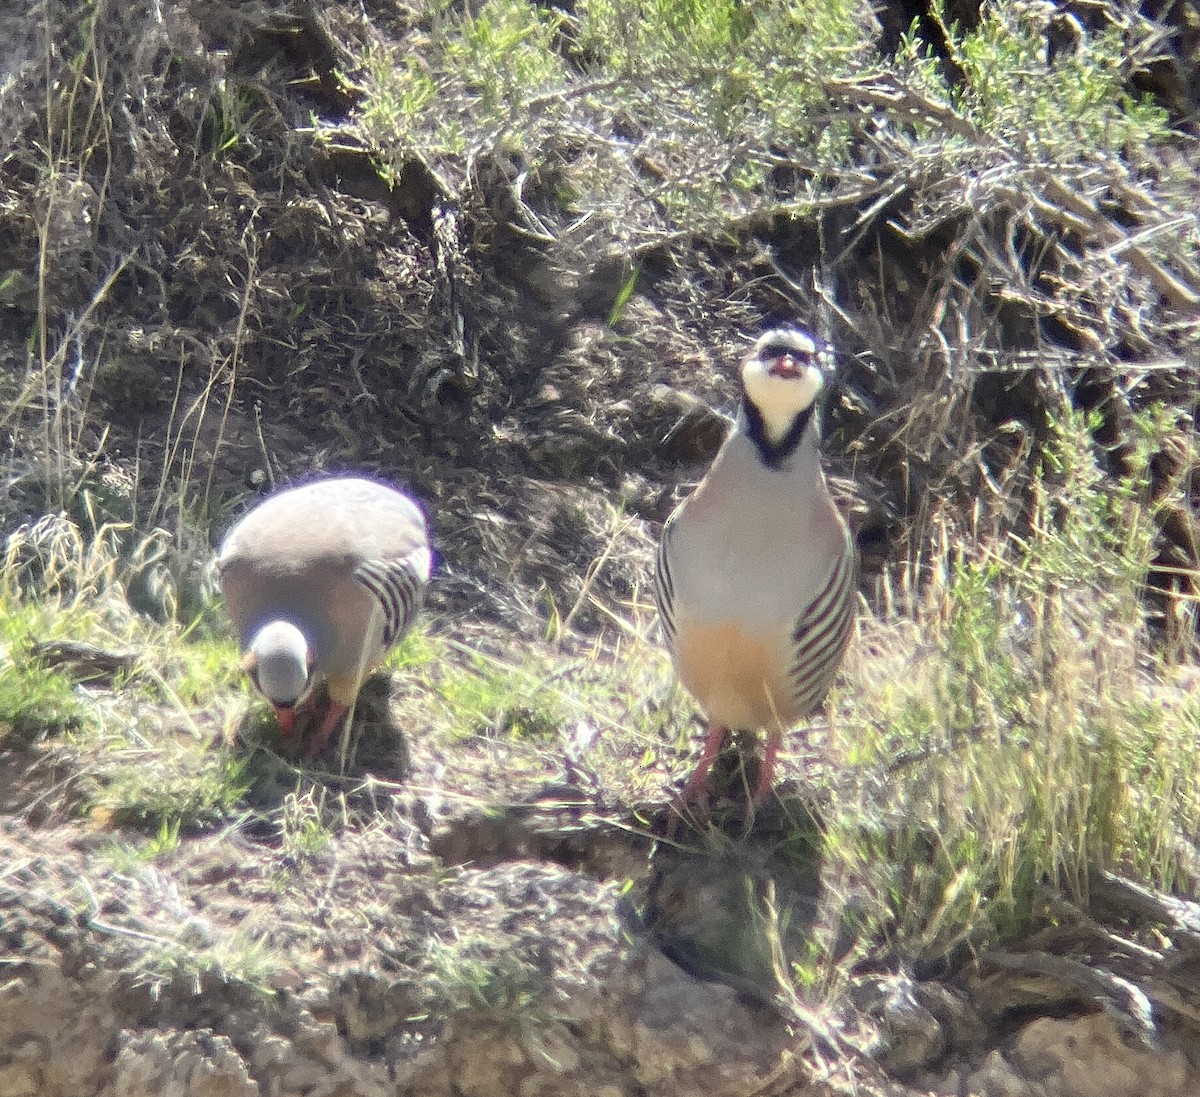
321,581
756,575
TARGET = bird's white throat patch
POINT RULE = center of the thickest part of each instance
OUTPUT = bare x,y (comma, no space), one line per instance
779,399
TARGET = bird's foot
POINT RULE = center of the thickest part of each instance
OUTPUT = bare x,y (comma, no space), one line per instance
334,715
693,800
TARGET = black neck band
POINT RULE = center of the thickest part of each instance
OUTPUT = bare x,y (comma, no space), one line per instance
774,454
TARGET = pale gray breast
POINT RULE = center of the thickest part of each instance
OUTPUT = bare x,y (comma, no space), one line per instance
750,544
769,553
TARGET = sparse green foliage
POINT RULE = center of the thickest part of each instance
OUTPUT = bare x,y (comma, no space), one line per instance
33,700
144,757
304,826
730,102
469,974
1077,106
712,85
729,64
70,579
470,88
1051,111
419,650
204,664
1026,745
502,701
137,776
234,959
125,856
231,116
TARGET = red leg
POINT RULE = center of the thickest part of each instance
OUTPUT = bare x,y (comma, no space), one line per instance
713,742
334,714
693,789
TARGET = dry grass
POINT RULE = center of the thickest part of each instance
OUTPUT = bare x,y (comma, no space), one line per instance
1005,728
988,238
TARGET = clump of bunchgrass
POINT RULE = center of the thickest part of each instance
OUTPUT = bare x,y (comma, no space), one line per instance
34,700
238,958
468,973
142,776
125,856
53,586
1013,737
136,742
305,824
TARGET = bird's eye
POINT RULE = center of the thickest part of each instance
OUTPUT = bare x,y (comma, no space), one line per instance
786,350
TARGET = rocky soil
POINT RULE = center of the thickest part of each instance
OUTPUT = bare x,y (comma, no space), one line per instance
113,984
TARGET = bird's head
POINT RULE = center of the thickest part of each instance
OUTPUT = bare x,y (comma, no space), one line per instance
783,375
282,667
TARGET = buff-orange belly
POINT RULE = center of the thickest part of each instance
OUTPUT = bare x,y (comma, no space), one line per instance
741,681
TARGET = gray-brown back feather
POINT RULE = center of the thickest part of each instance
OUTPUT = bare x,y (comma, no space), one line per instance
344,559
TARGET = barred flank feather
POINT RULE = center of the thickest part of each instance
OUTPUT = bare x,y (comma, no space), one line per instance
664,587
399,589
822,632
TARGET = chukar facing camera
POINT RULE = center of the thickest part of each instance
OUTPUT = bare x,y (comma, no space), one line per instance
756,577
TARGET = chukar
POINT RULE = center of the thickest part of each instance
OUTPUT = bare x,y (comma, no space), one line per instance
756,576
321,581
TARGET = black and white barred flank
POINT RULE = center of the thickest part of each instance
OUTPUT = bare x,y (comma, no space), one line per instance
819,636
664,586
821,633
398,588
